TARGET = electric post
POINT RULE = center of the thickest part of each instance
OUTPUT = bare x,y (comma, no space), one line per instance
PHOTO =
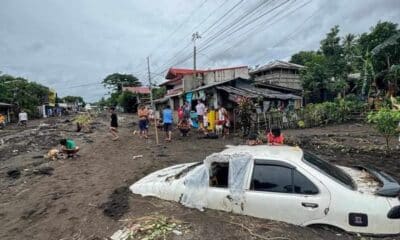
151,100
195,36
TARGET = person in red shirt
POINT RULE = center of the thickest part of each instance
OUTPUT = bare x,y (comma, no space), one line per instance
275,137
180,113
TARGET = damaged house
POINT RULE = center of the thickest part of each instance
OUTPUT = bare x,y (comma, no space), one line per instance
273,86
283,78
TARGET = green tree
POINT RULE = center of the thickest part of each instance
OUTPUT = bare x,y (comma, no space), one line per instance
74,99
159,92
382,43
315,79
386,122
303,57
22,93
127,101
116,81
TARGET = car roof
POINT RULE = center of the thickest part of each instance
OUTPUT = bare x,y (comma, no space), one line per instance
282,152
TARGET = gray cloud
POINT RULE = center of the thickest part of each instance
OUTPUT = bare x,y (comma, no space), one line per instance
65,44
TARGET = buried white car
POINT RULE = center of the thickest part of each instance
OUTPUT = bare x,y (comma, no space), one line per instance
282,183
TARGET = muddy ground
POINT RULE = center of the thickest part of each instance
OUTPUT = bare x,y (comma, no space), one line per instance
88,197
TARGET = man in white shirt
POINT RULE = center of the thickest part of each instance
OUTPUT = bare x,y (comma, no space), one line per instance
200,109
23,118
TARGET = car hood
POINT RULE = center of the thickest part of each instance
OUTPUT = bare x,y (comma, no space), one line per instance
168,174
166,183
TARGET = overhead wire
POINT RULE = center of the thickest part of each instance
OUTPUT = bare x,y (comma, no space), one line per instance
226,27
174,58
245,24
265,24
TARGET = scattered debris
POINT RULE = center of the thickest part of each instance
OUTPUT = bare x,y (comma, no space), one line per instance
137,156
43,126
44,171
52,154
151,227
14,173
176,232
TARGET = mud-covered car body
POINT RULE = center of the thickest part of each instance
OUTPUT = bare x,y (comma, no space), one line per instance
285,184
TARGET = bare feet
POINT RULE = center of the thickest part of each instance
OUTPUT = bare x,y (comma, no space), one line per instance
115,139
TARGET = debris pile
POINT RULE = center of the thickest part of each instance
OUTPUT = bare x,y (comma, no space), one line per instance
150,227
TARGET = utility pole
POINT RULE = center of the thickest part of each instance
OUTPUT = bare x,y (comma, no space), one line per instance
151,100
195,36
150,84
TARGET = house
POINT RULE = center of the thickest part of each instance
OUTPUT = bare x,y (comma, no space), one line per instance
142,93
281,77
226,86
278,73
5,110
183,85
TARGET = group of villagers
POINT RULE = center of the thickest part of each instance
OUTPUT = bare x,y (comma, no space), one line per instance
210,122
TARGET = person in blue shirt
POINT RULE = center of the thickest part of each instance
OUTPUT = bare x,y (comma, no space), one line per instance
167,122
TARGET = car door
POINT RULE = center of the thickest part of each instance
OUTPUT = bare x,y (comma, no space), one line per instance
218,191
279,191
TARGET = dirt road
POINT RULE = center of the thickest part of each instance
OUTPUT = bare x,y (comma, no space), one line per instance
86,198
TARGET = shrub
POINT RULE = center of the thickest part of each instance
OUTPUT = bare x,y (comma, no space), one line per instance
338,111
386,122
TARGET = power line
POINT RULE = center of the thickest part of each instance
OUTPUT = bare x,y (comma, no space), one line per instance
244,25
203,21
263,24
224,29
227,27
236,21
168,62
179,27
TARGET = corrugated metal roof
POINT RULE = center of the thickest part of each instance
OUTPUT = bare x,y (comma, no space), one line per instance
238,91
277,64
253,92
141,90
213,84
5,104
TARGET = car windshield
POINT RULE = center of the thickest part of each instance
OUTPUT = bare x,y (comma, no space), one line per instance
329,169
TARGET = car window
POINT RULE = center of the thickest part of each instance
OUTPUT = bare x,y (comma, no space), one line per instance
219,173
302,185
283,179
272,178
329,169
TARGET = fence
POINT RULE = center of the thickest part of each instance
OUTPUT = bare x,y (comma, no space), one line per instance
301,118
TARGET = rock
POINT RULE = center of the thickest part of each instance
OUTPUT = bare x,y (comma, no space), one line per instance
177,233
121,234
14,173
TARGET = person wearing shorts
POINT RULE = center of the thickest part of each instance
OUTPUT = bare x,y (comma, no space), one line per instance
200,110
143,121
167,122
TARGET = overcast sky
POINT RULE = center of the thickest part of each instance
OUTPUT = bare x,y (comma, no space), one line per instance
72,45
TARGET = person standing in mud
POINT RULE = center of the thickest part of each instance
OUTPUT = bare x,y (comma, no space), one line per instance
143,114
167,122
114,124
200,109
